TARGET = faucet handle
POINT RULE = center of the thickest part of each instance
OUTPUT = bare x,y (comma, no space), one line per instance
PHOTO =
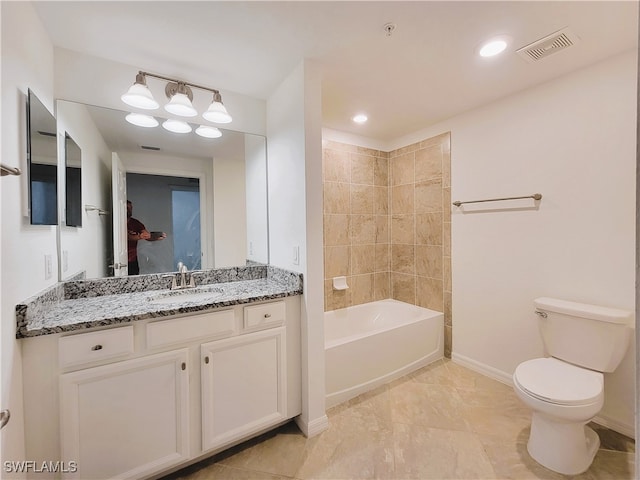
174,285
180,267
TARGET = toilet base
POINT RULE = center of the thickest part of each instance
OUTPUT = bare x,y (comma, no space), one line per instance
567,448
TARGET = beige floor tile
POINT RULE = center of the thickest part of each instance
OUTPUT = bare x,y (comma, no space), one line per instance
278,454
221,472
511,460
437,406
435,373
610,465
429,453
444,421
350,449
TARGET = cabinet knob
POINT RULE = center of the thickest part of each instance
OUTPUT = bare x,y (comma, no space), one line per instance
96,347
184,366
206,359
267,315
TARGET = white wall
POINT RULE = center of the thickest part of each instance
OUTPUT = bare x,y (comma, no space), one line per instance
88,247
27,62
294,151
256,190
574,141
229,212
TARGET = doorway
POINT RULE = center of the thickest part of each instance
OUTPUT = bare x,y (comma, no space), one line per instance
171,205
185,213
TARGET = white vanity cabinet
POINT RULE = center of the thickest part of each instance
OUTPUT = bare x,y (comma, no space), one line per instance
126,419
243,386
138,400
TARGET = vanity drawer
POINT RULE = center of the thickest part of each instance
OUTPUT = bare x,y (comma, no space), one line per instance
74,350
184,329
265,315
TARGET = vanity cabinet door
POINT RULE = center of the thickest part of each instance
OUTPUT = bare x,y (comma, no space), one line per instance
127,419
243,386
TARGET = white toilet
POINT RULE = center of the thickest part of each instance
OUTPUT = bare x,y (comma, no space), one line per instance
566,390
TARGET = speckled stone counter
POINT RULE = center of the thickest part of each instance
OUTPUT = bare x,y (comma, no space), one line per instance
79,305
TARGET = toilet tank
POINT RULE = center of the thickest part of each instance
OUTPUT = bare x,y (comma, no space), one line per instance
586,335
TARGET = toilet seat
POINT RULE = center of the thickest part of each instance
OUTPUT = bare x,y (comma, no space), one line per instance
554,381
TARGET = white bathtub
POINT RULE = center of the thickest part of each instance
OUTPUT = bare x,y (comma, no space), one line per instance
371,344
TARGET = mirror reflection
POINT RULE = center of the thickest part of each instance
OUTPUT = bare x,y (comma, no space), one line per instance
200,201
72,184
42,162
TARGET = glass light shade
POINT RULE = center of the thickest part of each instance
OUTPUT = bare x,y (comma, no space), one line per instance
140,96
176,126
217,113
208,131
142,120
181,105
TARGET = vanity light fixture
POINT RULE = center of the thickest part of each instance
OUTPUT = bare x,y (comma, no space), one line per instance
180,97
141,120
139,95
180,100
176,126
208,131
217,112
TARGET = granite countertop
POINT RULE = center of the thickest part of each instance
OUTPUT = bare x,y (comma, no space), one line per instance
71,314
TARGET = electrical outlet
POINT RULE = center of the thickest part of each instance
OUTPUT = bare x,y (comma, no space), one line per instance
65,260
250,248
48,268
296,255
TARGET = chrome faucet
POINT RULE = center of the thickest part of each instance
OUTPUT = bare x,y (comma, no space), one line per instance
182,283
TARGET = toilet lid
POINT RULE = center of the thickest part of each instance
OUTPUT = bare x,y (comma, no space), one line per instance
558,382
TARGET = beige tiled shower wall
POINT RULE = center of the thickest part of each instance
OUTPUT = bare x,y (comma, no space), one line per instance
356,224
387,225
420,209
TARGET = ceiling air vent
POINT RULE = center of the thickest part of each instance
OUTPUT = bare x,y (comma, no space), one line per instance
557,41
147,147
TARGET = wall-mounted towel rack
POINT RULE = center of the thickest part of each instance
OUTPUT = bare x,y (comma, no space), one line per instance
93,208
6,170
535,196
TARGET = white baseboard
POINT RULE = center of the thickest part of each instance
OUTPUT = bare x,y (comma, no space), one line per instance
485,370
503,377
314,427
615,425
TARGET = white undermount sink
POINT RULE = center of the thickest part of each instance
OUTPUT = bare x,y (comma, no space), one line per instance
187,295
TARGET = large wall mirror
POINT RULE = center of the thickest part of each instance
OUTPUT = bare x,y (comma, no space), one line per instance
203,200
42,158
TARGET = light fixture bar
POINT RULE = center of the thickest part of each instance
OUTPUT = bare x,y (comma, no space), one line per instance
161,77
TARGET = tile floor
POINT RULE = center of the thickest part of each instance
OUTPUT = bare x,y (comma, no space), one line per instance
441,422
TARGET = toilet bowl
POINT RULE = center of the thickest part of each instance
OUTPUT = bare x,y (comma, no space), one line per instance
566,389
563,398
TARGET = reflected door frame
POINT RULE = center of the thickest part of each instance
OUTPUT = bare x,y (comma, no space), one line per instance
205,222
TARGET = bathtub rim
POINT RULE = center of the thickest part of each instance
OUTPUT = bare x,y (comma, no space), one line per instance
351,338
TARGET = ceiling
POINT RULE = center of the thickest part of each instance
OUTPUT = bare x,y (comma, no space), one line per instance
427,70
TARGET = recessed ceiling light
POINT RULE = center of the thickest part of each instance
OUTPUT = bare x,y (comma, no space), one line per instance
360,118
494,46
